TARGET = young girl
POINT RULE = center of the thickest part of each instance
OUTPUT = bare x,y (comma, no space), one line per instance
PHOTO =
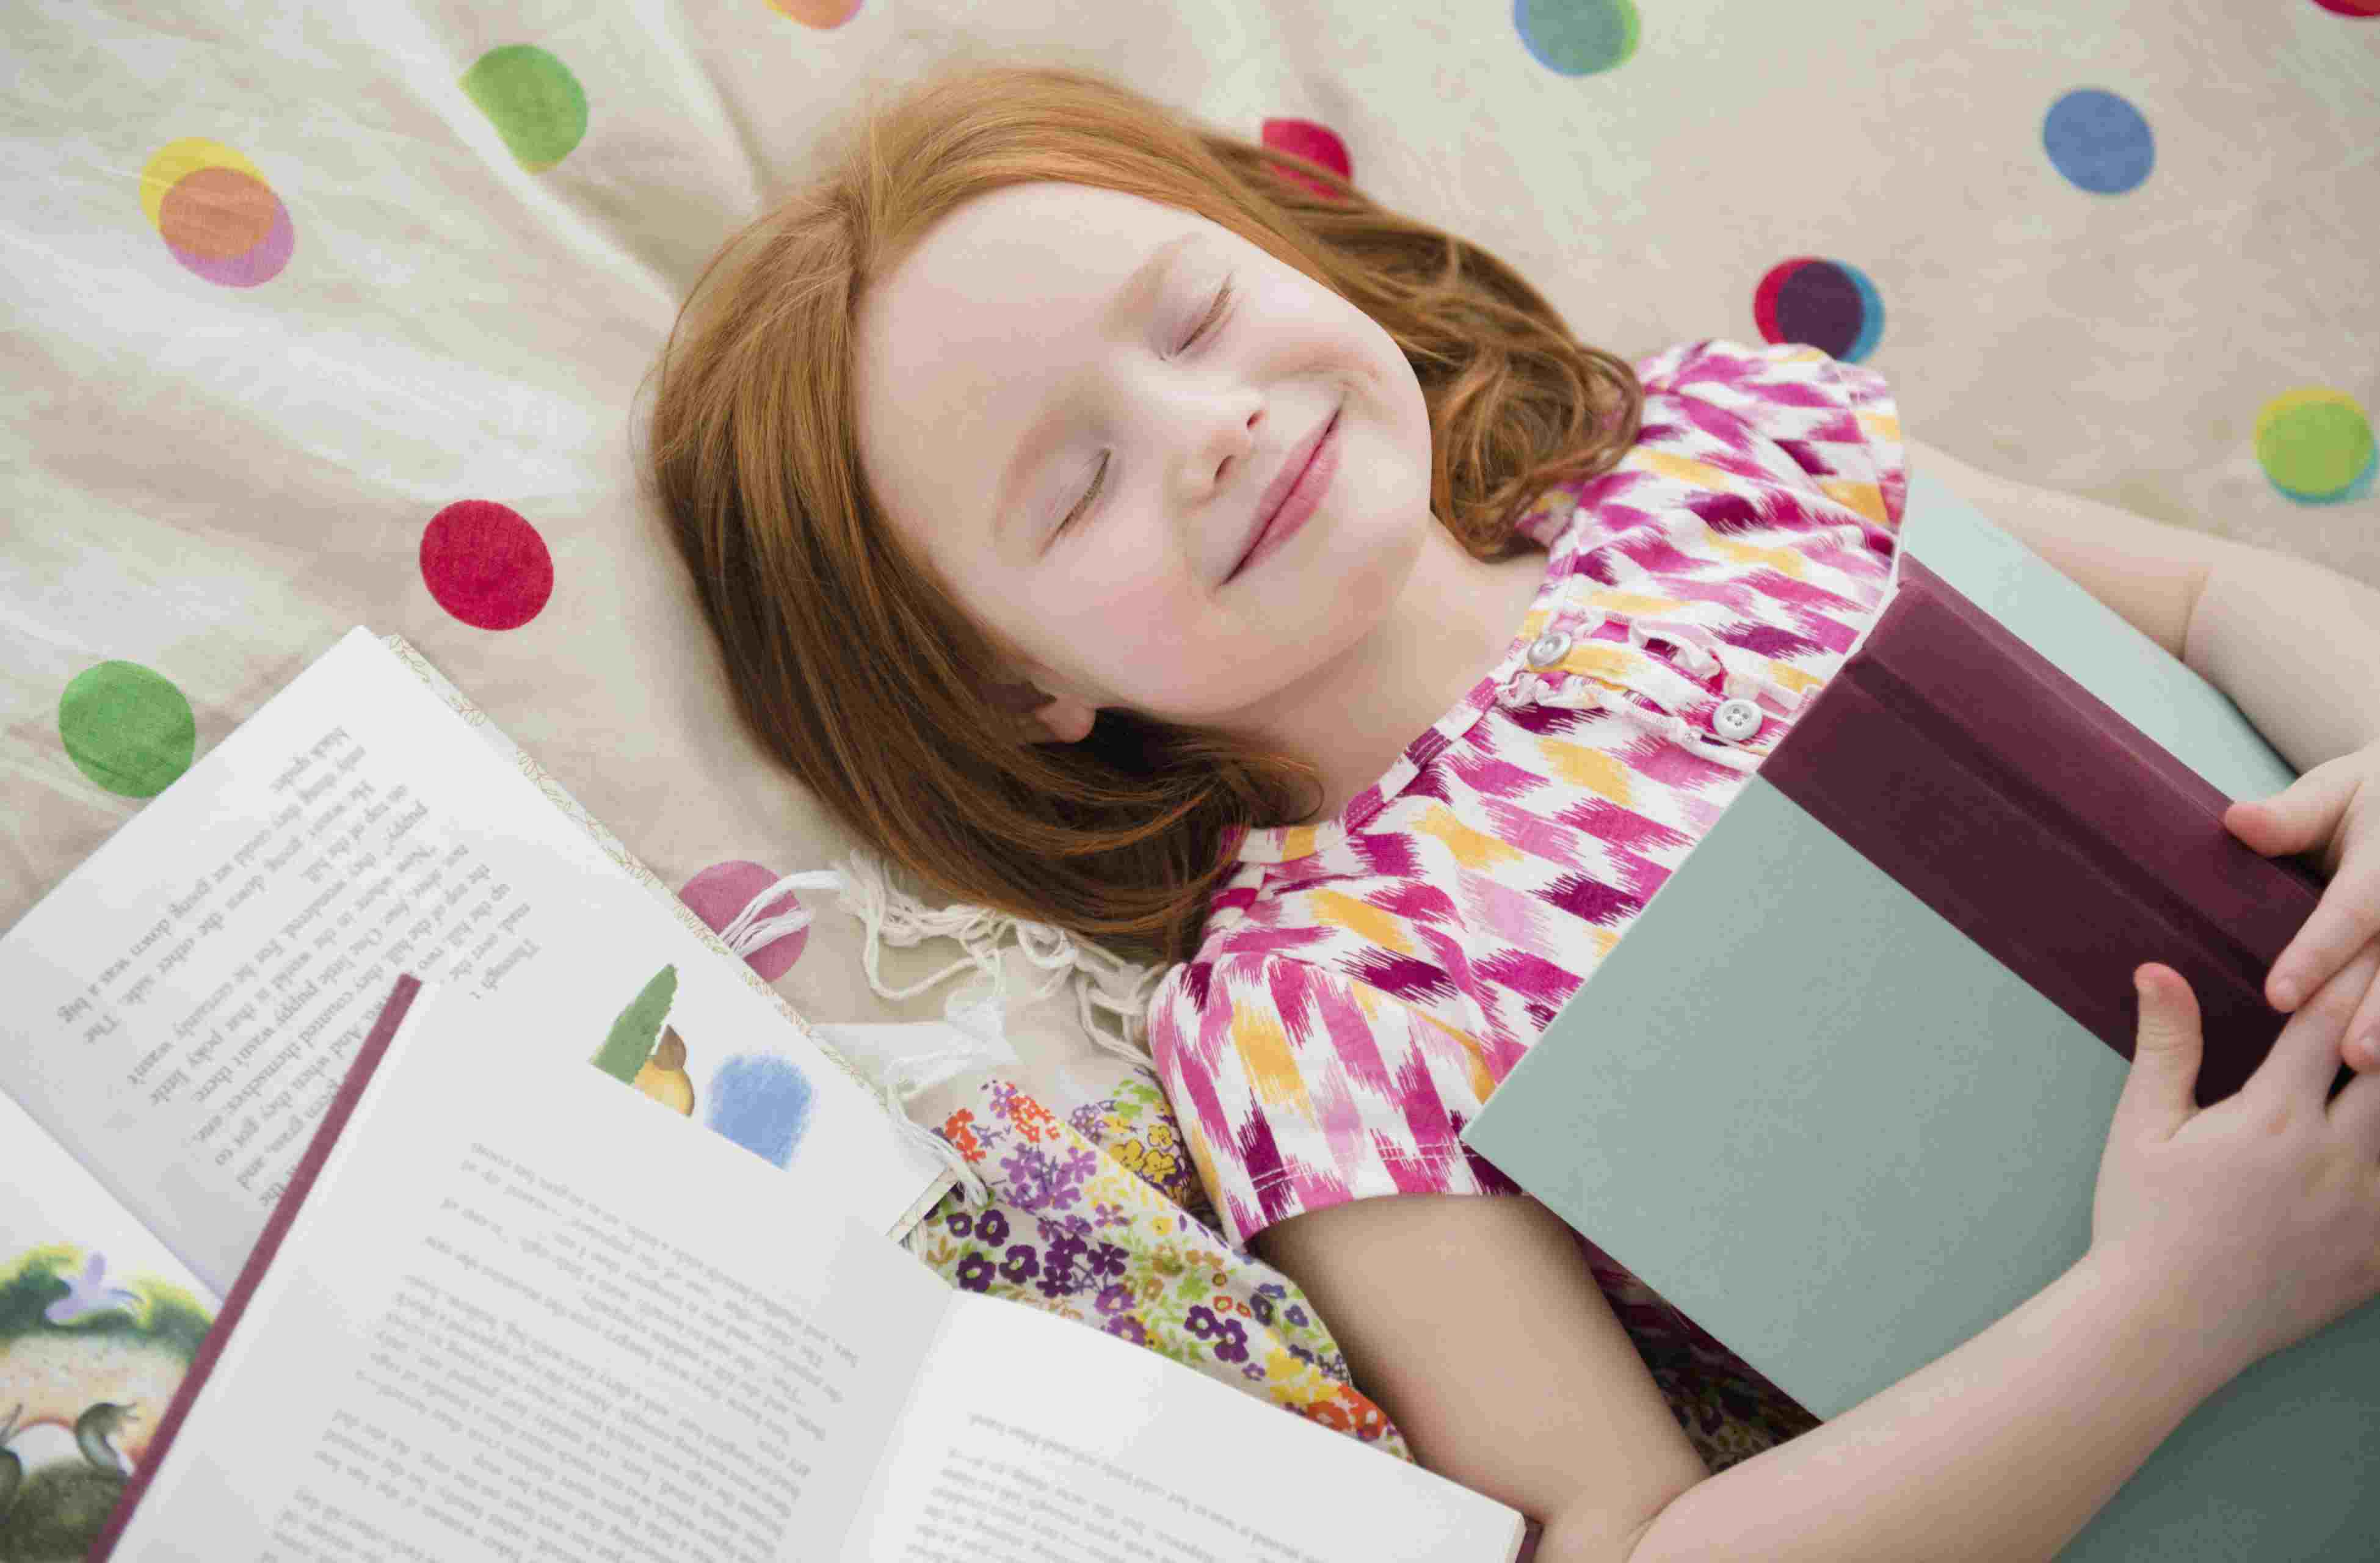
1140,531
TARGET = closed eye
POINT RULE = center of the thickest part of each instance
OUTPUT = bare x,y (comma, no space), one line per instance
1089,494
1214,313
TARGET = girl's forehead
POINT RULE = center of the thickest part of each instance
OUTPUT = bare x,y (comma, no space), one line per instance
1048,226
998,300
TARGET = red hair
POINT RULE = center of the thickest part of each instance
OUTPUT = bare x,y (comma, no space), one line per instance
851,663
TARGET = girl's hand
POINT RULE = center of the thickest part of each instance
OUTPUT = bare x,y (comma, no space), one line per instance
2327,813
2241,1229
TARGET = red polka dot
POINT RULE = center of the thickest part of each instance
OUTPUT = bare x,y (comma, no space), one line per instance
717,896
486,565
1316,143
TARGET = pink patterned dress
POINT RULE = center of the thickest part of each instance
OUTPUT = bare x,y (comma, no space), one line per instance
1363,983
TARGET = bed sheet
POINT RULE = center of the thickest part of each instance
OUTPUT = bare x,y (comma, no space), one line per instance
307,303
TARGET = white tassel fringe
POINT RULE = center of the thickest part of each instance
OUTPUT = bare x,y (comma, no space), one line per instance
864,885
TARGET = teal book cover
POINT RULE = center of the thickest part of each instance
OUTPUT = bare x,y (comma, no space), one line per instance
1845,1137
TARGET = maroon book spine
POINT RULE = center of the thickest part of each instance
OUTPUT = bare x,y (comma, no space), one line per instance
2062,839
259,1258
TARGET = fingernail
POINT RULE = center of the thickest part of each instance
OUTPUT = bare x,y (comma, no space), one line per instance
2367,1050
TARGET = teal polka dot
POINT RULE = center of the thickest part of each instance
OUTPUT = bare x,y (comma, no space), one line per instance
533,100
127,729
1578,37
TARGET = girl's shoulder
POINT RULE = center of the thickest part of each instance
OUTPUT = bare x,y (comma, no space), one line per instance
1720,413
1229,977
1782,413
1717,363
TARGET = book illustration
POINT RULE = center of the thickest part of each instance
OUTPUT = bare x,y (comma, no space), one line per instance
624,1052
763,1103
663,1076
92,1358
759,1100
88,1293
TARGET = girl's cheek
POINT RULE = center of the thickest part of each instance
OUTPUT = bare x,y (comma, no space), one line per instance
1121,584
1142,635
1145,618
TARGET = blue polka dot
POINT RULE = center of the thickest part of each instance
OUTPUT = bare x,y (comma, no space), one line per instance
2099,141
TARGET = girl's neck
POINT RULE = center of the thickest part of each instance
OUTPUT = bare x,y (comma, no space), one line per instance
1452,621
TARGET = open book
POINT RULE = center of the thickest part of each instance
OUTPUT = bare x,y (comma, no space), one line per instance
595,1331
184,1005
185,1002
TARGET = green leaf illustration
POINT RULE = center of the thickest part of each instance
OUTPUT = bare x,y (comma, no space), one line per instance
639,1026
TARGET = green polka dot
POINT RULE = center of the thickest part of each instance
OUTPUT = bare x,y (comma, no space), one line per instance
1578,37
128,728
533,100
2315,443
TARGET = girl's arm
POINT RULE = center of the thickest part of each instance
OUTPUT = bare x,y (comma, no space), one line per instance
1998,1452
1474,1323
1477,1327
2296,647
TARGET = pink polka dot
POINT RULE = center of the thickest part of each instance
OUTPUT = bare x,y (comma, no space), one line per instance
718,895
1316,143
217,213
251,269
486,565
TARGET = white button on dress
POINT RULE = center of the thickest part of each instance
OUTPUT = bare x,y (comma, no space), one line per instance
1737,720
1548,649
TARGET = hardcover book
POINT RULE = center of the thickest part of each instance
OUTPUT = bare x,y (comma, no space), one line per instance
1841,1092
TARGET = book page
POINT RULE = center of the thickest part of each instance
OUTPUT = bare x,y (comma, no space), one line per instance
99,1325
580,1331
185,1002
1092,1449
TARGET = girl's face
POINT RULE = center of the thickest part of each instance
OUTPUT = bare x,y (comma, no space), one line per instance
1074,402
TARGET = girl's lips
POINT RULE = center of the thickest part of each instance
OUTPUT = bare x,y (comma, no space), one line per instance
1303,498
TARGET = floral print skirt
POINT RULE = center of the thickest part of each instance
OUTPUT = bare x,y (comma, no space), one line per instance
1097,1216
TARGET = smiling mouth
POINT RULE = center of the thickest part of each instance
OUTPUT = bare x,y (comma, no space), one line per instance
1313,448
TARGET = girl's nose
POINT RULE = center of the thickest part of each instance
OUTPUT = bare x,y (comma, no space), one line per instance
1229,435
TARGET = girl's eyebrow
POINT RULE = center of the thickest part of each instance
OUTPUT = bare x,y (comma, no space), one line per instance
1128,302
